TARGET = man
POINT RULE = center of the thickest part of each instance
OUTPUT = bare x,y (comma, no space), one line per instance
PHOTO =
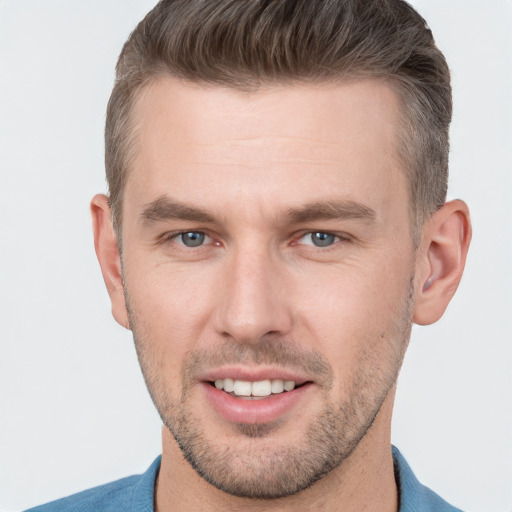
276,222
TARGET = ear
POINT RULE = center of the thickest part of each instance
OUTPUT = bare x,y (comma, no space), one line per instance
107,251
440,260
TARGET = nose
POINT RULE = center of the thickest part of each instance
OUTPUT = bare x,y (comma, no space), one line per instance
253,300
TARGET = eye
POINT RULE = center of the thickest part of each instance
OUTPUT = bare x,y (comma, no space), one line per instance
319,239
191,238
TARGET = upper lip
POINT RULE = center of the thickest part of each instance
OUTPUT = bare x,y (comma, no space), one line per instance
253,374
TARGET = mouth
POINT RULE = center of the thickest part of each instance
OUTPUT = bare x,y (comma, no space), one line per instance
257,399
255,390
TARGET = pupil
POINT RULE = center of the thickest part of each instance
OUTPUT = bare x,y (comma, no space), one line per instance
323,239
192,239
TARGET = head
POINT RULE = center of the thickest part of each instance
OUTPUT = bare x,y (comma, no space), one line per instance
277,176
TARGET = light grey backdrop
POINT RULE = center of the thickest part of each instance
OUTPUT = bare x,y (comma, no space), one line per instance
74,411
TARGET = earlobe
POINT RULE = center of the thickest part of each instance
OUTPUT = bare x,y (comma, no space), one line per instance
441,260
107,251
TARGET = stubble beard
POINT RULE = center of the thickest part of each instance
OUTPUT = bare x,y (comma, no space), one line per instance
254,467
258,469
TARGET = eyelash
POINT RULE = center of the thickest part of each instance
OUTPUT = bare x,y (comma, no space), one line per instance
173,237
336,239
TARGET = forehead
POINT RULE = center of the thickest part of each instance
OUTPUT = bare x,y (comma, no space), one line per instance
281,143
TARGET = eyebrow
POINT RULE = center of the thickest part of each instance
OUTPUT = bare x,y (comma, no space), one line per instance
163,209
331,210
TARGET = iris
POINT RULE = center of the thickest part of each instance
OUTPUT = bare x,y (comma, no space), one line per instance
192,238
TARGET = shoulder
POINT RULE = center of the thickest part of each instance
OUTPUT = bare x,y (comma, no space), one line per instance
106,497
133,493
415,497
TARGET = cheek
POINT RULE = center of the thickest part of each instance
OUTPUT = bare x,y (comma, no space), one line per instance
166,291
365,290
170,310
353,306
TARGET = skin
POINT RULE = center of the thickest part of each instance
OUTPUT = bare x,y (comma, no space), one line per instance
257,173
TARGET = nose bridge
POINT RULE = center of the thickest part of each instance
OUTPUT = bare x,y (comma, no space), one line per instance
251,297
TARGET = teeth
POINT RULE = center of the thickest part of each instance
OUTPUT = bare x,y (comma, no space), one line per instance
261,388
277,386
258,388
229,385
242,388
289,385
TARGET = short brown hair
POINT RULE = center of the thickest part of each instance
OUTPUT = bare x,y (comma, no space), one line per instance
246,44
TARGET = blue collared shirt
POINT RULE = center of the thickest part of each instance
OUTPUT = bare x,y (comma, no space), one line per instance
136,494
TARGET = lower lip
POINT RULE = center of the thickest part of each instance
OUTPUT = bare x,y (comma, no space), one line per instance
262,410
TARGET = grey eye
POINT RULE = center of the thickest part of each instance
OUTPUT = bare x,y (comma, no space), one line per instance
322,239
192,238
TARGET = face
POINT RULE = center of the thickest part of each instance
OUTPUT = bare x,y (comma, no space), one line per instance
268,268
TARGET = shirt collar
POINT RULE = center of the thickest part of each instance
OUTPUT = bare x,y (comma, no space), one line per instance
412,494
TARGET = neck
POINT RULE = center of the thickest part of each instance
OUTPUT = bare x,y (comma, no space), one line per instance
364,481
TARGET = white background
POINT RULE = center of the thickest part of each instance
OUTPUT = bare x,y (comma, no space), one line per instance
74,411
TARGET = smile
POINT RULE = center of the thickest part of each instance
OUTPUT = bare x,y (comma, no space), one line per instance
257,389
252,399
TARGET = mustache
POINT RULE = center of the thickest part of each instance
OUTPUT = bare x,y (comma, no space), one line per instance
269,351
